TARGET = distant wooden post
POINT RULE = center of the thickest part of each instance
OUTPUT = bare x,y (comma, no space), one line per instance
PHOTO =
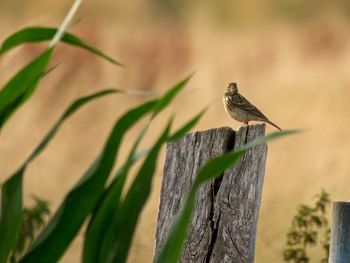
224,222
340,236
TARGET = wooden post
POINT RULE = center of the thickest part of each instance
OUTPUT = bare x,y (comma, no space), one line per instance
340,236
224,222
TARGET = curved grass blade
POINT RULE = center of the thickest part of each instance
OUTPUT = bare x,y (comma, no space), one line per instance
22,85
70,110
125,221
120,234
110,203
81,200
213,168
11,191
168,96
39,34
269,137
11,214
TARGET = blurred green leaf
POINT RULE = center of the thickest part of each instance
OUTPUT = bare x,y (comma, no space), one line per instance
39,34
22,85
82,199
11,191
11,214
171,250
168,96
121,233
117,241
269,137
68,112
102,217
109,206
316,220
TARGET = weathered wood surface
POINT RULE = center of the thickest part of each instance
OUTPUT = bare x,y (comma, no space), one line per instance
224,222
340,236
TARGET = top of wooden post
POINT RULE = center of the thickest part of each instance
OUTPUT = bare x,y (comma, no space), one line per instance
224,222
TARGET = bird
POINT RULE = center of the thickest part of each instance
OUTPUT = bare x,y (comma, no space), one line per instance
240,109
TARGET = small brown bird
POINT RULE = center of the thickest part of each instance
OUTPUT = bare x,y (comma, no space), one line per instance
240,109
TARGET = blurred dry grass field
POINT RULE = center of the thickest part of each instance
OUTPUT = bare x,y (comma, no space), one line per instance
297,73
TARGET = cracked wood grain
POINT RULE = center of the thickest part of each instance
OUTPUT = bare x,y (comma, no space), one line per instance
223,226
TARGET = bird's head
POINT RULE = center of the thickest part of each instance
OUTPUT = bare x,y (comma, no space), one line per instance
232,88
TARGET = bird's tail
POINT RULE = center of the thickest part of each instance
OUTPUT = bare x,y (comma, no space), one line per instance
270,122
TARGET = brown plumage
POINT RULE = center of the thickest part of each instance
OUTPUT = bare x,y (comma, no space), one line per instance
240,109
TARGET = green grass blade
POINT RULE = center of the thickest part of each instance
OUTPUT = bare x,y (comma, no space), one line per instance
169,96
11,191
101,220
22,85
70,110
120,234
82,199
118,239
269,137
172,248
39,34
109,204
11,214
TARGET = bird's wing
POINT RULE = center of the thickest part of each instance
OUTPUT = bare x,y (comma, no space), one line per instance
238,101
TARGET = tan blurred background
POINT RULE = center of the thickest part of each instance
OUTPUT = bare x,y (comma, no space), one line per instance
291,58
